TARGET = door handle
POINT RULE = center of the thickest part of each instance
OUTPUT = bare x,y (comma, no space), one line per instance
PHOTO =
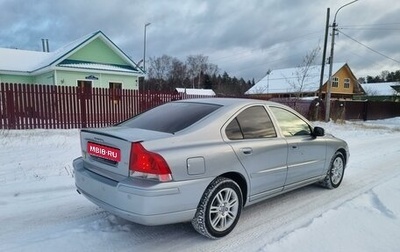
246,150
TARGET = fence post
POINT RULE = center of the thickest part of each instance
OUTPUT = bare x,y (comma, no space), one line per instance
83,111
365,111
10,107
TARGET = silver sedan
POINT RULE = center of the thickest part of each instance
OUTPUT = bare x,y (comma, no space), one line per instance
203,160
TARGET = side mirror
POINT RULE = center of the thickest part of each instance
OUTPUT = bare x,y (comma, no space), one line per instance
318,131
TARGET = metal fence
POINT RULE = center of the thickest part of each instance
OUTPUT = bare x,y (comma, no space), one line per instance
27,106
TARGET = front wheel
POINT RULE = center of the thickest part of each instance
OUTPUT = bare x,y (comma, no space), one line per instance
335,173
219,208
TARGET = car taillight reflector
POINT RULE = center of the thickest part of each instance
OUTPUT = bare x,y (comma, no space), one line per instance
148,164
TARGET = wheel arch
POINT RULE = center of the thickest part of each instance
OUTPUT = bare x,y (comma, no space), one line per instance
344,153
241,181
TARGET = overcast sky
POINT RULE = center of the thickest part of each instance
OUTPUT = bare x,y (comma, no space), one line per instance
244,38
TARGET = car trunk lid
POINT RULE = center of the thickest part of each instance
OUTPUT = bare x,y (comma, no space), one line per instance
107,151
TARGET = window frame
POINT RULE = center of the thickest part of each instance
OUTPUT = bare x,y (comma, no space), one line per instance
115,89
84,89
346,83
279,127
243,134
335,82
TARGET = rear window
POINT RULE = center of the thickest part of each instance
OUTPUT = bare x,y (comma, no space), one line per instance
171,117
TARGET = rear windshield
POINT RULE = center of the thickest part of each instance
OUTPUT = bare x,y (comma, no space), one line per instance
171,117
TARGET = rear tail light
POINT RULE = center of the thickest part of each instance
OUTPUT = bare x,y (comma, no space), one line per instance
147,164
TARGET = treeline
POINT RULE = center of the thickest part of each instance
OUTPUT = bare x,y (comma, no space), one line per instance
385,76
166,73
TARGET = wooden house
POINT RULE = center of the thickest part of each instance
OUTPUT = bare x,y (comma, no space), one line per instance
301,82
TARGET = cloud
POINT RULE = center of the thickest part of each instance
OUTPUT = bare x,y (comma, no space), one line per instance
244,38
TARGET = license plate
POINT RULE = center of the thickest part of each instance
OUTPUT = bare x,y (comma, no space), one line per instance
103,151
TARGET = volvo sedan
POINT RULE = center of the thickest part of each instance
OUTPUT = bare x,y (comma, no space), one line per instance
203,160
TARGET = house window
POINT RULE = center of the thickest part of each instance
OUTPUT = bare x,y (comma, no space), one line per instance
335,82
84,89
347,83
115,91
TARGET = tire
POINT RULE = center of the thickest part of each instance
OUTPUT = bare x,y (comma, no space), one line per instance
335,173
219,209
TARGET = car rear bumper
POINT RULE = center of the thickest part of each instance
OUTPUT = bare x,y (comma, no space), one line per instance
141,201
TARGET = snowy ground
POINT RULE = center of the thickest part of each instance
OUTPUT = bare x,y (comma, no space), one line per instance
41,211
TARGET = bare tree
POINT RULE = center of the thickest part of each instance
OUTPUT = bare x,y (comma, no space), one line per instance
178,75
158,72
197,66
384,75
302,74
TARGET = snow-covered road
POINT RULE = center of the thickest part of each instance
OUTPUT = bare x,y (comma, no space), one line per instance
41,211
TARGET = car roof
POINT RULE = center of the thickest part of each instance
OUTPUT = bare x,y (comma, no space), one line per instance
228,101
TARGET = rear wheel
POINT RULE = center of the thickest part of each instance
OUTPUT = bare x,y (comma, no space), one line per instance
219,209
336,172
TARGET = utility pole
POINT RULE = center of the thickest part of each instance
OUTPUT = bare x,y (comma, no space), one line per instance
144,47
321,80
328,93
144,52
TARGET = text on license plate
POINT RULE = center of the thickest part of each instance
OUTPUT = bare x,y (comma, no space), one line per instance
103,151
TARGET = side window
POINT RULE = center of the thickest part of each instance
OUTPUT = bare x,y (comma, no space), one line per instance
253,122
347,83
233,130
335,82
84,89
290,124
115,91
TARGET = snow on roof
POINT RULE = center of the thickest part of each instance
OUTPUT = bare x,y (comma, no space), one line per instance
285,80
21,60
29,61
15,60
193,91
380,89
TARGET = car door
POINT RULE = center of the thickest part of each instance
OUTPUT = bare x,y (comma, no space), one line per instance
252,136
306,153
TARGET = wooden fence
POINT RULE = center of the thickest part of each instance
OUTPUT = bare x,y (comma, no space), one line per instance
27,106
364,110
342,109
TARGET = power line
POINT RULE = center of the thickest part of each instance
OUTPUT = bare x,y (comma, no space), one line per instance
387,24
372,29
369,48
388,27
